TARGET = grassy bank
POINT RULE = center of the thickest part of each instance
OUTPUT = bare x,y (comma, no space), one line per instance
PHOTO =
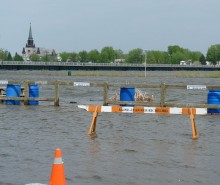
176,74
197,74
140,74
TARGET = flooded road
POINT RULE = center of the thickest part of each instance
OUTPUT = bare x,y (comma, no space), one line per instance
129,149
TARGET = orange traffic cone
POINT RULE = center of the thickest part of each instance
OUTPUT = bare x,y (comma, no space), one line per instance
57,175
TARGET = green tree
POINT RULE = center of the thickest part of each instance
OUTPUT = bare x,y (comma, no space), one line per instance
94,56
104,57
34,57
119,54
157,57
45,58
9,57
195,55
202,60
83,56
176,54
213,54
150,57
17,57
135,56
74,57
3,54
177,57
65,56
107,54
174,49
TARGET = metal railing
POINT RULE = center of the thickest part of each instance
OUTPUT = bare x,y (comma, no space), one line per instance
30,63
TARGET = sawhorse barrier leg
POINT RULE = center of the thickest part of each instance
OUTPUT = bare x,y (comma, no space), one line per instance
195,134
92,129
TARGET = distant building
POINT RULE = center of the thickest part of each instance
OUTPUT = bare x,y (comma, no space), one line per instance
30,48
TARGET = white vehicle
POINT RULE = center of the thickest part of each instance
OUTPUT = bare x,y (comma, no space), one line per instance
183,63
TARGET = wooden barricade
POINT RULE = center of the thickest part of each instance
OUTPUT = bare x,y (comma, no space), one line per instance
141,107
143,110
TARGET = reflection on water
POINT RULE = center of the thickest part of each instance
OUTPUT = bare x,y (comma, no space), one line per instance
128,149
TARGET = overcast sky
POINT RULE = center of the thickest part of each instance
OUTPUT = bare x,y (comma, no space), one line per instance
76,25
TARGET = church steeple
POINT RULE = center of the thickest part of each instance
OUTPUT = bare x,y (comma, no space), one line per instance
30,33
30,42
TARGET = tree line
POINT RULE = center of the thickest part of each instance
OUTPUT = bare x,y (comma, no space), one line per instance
108,54
6,56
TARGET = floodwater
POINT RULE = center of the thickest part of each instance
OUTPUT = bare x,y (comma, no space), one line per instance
129,149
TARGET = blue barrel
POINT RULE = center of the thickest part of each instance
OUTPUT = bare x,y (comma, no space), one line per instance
33,93
127,94
13,90
214,98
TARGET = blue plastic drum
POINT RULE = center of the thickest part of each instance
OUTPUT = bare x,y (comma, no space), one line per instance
13,90
33,93
214,98
127,94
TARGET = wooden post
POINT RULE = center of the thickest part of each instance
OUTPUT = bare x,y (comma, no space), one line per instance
105,95
26,92
195,134
162,94
92,129
56,100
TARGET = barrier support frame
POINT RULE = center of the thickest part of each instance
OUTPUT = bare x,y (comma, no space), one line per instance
92,129
195,134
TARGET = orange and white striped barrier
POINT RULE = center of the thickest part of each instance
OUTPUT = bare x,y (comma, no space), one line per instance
35,184
57,175
143,110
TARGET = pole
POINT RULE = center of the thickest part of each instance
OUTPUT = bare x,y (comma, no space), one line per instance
145,64
26,92
56,99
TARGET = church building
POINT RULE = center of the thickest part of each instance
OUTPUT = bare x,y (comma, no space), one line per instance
30,49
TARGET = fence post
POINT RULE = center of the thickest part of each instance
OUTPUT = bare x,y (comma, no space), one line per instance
26,92
105,95
162,94
56,100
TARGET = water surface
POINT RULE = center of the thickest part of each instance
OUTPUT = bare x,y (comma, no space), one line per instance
129,149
